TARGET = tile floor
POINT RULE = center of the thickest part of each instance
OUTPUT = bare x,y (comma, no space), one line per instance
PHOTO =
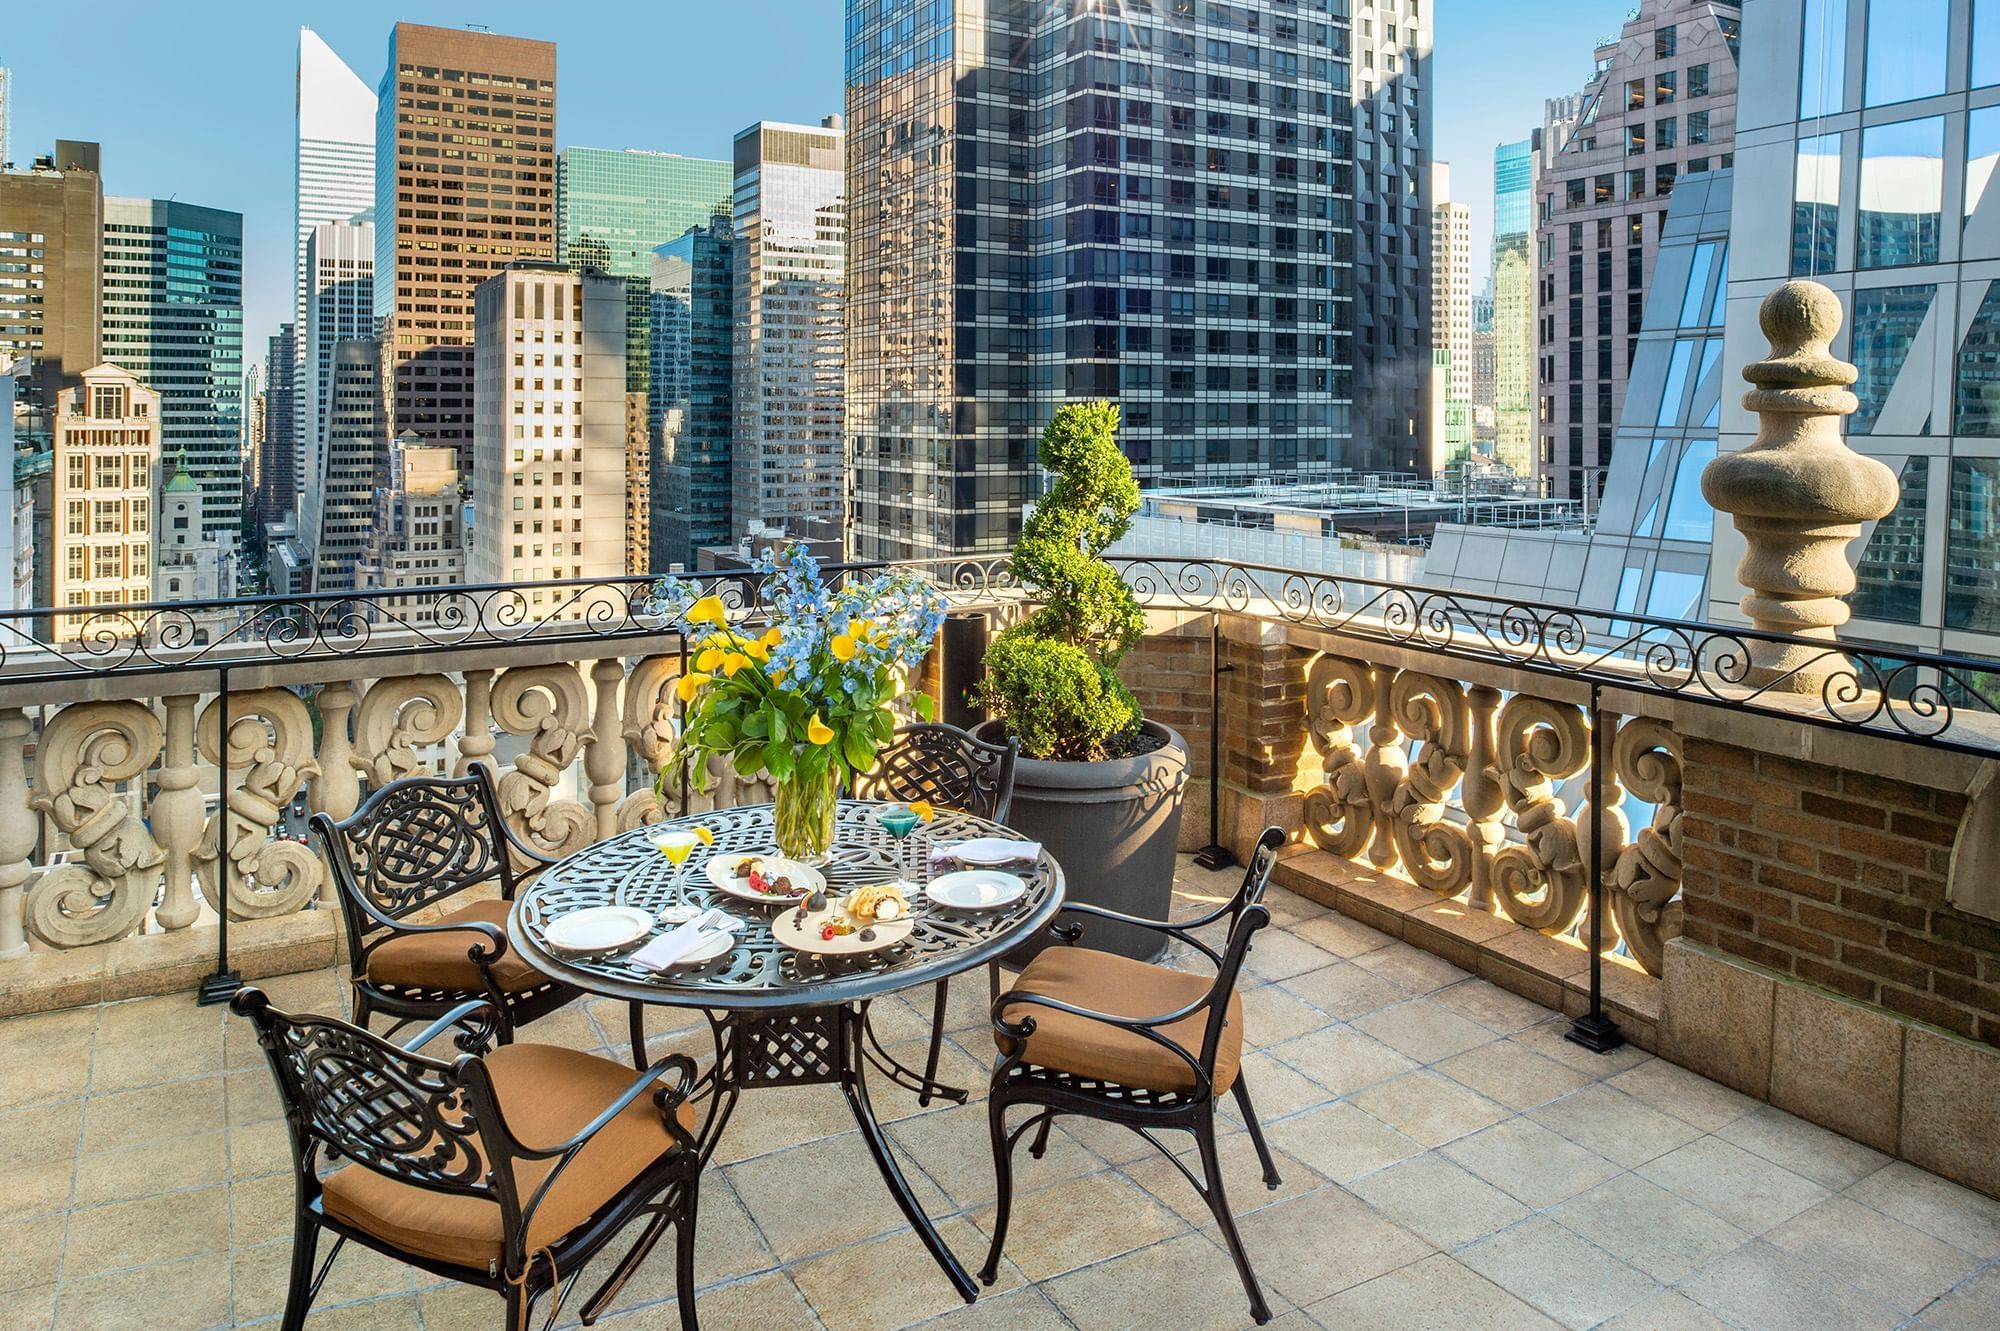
1448,1160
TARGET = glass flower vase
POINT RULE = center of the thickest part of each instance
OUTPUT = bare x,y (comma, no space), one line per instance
803,815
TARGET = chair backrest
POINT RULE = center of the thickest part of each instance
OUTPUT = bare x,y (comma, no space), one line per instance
1254,915
418,1120
417,841
947,766
1257,873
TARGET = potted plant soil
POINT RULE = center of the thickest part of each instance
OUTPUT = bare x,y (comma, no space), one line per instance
1099,785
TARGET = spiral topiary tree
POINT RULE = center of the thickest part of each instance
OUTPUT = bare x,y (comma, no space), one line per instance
1052,678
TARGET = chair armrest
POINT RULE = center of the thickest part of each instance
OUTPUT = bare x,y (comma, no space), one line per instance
491,948
477,1022
1070,933
1146,1027
537,860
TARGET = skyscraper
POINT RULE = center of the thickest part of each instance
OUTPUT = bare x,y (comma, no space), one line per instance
615,206
1662,105
277,466
450,216
173,316
548,478
340,307
337,505
6,117
1034,220
107,452
335,180
53,309
1451,320
1391,228
1514,169
690,394
790,272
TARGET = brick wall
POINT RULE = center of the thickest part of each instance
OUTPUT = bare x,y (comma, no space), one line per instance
1836,877
1169,673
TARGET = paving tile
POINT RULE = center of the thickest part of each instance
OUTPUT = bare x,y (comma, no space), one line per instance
1271,1014
1341,936
1276,1089
1275,954
1941,1209
153,1116
1423,1030
1188,1277
1288,1247
1666,1311
29,1309
1342,1059
786,1194
1020,1310
1767,1288
1080,1221
150,1040
1896,1263
1340,1141
30,1253
1614,1125
847,1290
1515,1076
1746,1190
1550,1039
394,1313
1973,1306
40,1134
1242,1178
1437,1200
1685,1095
954,1149
1345,991
33,1190
1827,1158
47,1056
1429,1108
1413,968
1423,1296
1491,1006
193,1292
1666,1236
778,1118
1529,1163
1558,1271
199,1161
261,1209
259,1276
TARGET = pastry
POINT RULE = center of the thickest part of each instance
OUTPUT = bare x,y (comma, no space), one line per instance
878,901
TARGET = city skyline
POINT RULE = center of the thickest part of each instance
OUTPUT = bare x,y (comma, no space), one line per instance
240,157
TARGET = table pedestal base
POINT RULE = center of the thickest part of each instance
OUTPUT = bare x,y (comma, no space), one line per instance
816,1046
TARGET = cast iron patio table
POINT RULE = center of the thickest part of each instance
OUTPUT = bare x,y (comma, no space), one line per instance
781,1017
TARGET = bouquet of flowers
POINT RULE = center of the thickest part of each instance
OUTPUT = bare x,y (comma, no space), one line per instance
804,686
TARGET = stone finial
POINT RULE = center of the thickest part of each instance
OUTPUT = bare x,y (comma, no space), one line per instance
1798,493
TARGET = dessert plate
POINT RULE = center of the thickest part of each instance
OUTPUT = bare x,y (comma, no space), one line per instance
598,929
806,880
975,889
803,934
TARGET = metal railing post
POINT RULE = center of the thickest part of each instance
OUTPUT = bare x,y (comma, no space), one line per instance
1594,1030
1215,855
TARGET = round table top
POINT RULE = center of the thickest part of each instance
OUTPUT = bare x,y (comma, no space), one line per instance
761,972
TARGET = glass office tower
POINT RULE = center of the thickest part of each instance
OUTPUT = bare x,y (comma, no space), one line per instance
689,396
173,316
1515,166
1060,202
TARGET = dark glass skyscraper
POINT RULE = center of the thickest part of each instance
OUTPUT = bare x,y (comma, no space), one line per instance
689,393
1058,201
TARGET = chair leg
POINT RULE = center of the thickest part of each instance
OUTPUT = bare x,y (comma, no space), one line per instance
1041,1144
517,1307
1003,1173
684,1265
636,1022
992,979
1242,1094
363,1009
305,1250
937,1042
1218,1204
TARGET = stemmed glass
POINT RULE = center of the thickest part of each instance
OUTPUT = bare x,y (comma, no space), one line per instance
676,843
899,820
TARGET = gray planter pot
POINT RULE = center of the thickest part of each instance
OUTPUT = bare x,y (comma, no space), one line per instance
1113,826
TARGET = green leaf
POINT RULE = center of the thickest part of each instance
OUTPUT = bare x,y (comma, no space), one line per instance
779,730
926,706
757,725
859,749
778,761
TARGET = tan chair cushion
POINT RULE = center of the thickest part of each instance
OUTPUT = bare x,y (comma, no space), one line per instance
439,960
1121,987
547,1095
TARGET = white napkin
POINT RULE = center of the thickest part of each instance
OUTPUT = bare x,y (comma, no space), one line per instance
669,948
985,849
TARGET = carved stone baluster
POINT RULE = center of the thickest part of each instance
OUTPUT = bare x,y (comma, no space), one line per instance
17,832
1541,882
547,704
604,759
476,744
1436,853
1647,876
176,814
85,754
269,754
1385,768
399,716
1481,795
336,790
648,728
1340,694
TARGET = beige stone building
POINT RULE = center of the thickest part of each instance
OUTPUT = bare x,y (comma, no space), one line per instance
418,539
107,454
548,475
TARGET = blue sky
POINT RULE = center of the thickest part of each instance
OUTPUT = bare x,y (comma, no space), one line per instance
202,107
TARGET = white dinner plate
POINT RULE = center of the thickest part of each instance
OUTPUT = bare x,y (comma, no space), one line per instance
975,889
598,929
806,880
802,934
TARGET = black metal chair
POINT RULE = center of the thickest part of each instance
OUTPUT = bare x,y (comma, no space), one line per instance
509,1168
1106,1037
955,769
415,843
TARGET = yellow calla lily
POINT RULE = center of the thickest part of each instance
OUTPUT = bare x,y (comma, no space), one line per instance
733,662
708,658
757,651
772,637
708,610
858,628
690,684
818,731
843,647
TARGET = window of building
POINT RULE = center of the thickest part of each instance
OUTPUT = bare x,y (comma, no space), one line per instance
1694,295
1972,556
1888,575
1635,94
1665,86
1635,184
1902,193
1635,140
1980,238
1697,131
1978,392
1886,320
107,401
1823,59
1697,80
1906,52
1816,205
1666,133
1664,43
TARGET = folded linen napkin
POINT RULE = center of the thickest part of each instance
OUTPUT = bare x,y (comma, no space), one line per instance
985,850
669,948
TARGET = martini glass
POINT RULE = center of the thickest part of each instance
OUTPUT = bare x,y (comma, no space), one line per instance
899,820
676,843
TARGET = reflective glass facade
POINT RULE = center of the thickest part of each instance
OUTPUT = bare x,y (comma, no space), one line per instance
689,393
